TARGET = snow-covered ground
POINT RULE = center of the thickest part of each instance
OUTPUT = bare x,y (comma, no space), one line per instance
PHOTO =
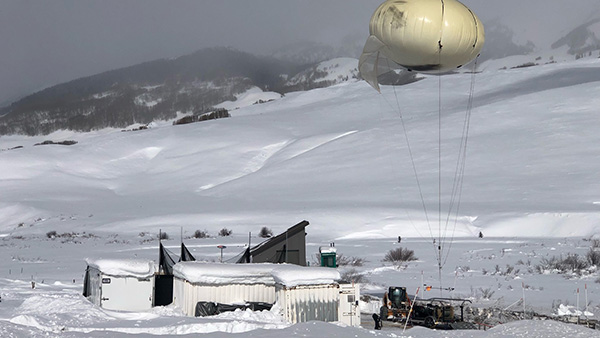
56,307
337,157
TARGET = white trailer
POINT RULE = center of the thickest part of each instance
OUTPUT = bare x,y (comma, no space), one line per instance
122,285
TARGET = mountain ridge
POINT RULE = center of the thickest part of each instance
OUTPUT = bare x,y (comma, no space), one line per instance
157,89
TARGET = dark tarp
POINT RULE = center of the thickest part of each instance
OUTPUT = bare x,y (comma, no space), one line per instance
86,282
186,255
204,309
166,261
245,258
163,282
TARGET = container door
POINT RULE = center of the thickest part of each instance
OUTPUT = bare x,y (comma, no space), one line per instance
349,311
126,293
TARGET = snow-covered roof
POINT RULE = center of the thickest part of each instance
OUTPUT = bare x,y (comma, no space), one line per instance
327,249
124,267
263,273
214,273
293,275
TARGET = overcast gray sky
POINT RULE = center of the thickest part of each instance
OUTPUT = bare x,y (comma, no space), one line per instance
45,42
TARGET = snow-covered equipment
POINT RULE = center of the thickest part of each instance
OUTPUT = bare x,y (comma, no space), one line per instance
123,285
429,36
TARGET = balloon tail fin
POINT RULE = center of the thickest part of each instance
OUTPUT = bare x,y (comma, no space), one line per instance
368,63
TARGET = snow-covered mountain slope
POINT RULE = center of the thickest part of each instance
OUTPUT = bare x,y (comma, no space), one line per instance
337,157
325,74
252,96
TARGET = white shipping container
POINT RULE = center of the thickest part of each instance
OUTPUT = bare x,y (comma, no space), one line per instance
303,303
186,295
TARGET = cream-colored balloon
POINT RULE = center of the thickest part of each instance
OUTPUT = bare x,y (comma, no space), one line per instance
430,36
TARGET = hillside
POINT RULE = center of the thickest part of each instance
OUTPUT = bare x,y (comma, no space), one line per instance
336,156
156,90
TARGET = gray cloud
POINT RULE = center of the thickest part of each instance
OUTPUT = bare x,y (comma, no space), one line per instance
48,42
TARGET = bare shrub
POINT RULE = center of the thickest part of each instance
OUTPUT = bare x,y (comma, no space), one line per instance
88,235
351,261
399,255
572,263
575,263
593,257
52,234
201,234
353,275
525,65
225,232
316,260
486,293
163,235
547,264
265,233
464,268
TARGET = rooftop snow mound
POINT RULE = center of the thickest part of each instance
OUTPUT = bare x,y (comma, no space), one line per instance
265,273
124,267
292,275
213,273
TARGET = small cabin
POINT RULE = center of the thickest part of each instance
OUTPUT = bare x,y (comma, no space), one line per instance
122,285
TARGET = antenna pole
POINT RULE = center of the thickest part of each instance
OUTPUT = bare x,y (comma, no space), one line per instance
578,311
523,287
440,276
286,246
586,301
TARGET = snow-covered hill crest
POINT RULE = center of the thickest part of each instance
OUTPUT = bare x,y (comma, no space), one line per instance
325,74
